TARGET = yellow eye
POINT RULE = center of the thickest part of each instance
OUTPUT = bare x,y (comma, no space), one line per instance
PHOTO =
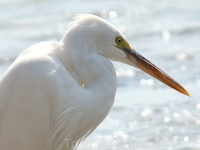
118,40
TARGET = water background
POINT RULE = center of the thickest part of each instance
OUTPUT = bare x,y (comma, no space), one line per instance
147,115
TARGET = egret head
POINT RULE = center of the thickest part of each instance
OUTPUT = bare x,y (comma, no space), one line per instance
103,38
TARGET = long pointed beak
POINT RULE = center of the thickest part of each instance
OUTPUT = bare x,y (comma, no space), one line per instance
148,67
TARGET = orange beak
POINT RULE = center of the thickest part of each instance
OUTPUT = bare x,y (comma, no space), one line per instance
148,67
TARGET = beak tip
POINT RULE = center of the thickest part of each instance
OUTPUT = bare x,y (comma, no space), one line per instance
185,92
188,94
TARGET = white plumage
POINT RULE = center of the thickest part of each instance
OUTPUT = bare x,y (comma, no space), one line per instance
61,91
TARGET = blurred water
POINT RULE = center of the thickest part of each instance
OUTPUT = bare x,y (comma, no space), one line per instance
146,115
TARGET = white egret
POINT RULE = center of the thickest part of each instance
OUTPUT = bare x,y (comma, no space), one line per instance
56,93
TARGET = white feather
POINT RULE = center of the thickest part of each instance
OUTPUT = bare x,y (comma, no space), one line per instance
42,101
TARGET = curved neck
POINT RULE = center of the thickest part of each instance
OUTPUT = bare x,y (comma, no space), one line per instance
91,71
97,74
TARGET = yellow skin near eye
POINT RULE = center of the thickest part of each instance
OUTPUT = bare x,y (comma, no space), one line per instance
121,43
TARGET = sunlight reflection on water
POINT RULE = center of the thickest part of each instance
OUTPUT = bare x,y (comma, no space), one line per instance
146,114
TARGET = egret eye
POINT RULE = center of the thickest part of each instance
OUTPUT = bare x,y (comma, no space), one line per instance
118,40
